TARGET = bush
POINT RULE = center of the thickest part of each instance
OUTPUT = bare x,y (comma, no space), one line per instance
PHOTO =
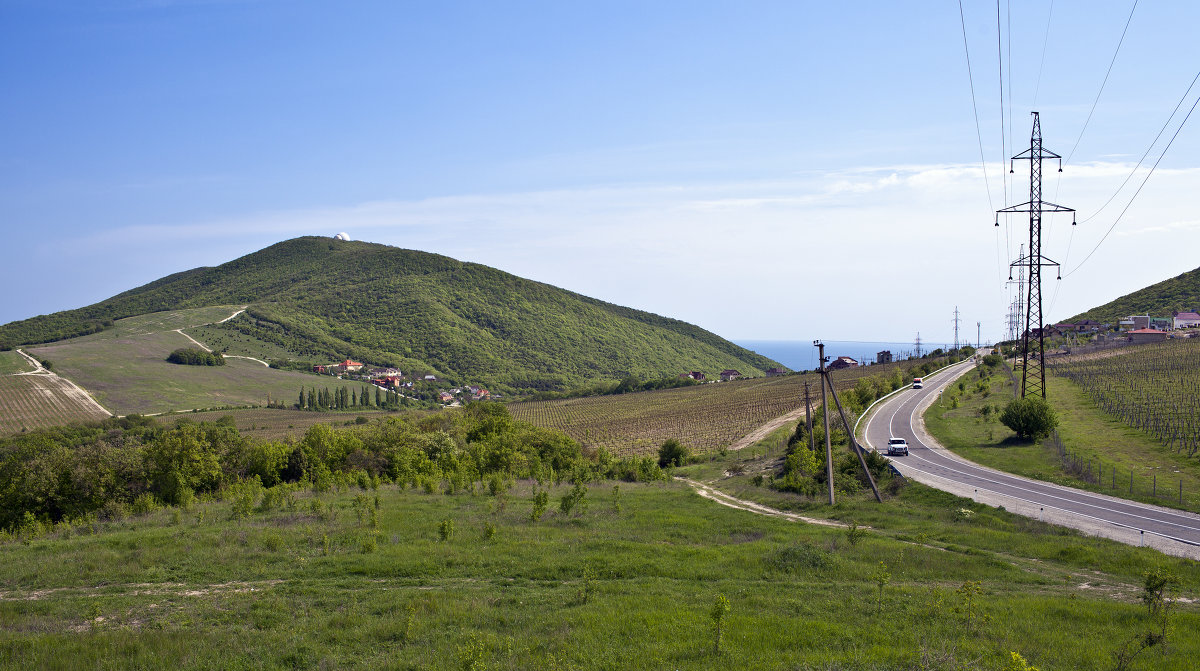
1030,418
672,453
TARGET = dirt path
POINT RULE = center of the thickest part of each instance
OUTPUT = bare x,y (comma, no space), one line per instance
227,356
765,430
724,499
63,385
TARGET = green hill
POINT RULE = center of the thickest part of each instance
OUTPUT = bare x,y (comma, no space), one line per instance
1177,294
325,299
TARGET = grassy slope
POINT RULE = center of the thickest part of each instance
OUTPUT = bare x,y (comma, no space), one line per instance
1086,431
326,299
296,590
12,362
125,368
1158,300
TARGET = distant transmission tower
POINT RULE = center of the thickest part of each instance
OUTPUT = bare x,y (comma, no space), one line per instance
917,344
1017,307
1033,353
978,338
956,320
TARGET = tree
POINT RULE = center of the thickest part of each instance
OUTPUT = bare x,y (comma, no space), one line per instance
1031,417
672,453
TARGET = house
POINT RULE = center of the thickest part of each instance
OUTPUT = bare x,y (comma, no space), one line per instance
348,366
1185,320
883,357
1135,322
445,397
1088,325
729,374
694,375
430,378
1139,336
1161,323
319,369
1065,327
842,362
774,372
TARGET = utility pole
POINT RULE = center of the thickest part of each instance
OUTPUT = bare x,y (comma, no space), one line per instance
956,320
978,339
1033,354
808,419
825,416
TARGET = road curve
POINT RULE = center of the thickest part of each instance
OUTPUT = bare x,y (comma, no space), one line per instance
1171,531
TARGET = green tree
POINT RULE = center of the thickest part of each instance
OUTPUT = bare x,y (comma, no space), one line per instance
1031,418
672,453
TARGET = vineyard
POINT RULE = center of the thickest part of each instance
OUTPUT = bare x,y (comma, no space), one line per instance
36,401
1155,388
705,418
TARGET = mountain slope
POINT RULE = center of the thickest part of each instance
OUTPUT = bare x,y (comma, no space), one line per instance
328,299
1177,294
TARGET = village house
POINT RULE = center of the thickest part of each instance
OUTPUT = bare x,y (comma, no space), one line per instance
445,397
1135,322
842,362
1186,320
430,378
694,375
1140,336
883,357
1161,323
319,369
729,374
347,366
774,372
1088,325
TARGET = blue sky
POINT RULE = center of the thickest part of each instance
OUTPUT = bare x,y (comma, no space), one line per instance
771,170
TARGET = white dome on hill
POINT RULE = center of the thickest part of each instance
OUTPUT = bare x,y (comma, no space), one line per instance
342,236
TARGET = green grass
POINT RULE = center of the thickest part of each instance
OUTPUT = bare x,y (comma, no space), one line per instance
1087,432
12,362
126,370
307,590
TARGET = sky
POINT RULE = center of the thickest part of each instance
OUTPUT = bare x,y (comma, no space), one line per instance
766,170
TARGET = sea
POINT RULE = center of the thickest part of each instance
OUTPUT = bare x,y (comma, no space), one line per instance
802,354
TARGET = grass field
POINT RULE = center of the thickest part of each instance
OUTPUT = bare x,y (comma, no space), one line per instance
12,362
704,417
239,344
1086,431
125,368
629,583
37,401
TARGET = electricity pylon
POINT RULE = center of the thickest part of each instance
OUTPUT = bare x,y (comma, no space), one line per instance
1033,354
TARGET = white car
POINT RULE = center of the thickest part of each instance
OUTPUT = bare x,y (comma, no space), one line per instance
897,446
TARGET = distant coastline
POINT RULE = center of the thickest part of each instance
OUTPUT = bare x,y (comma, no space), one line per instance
802,355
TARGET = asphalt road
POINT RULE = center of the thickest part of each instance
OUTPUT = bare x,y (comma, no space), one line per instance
1171,531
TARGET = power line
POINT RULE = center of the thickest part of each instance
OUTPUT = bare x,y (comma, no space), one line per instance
978,132
1003,133
1139,189
1102,84
1148,149
1042,64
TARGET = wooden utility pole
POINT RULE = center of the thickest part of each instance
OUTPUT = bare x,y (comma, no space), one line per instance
853,441
825,416
808,419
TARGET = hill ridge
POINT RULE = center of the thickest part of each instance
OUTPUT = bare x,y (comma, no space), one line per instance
323,298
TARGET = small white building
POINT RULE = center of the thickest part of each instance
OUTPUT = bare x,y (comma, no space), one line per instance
1183,320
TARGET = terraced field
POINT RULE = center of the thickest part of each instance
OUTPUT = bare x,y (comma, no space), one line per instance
705,418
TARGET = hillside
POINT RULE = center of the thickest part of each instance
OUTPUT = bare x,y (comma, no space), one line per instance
1157,300
322,299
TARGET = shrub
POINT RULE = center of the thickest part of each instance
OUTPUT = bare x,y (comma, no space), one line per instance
672,453
800,556
1030,418
540,501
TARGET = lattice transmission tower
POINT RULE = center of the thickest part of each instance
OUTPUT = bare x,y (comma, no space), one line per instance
1033,350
